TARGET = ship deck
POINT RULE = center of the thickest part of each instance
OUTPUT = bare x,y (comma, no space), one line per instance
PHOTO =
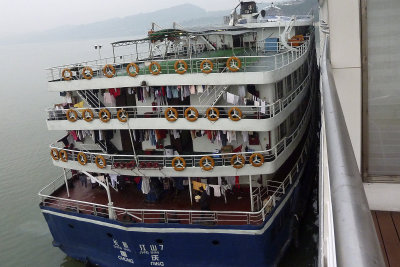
387,225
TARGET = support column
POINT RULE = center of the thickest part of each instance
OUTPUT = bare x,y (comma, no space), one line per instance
66,182
251,194
190,191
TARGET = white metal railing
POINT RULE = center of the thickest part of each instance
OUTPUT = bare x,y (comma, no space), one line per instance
223,159
249,112
276,191
249,64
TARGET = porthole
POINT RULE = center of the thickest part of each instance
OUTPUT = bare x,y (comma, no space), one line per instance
215,242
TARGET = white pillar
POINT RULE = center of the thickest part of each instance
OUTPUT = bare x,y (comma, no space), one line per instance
66,182
251,194
190,191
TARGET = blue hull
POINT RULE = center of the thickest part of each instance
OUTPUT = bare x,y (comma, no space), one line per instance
110,243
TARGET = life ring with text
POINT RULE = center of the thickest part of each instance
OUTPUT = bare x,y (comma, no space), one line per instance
109,71
207,163
179,164
105,115
206,66
72,115
212,114
233,64
171,114
54,154
82,158
100,162
63,156
235,114
181,67
122,115
87,73
238,161
66,74
156,70
257,160
132,73
191,114
87,115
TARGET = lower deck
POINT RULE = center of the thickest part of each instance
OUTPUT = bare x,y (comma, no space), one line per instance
387,226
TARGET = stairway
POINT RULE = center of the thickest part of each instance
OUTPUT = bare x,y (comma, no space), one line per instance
91,99
211,95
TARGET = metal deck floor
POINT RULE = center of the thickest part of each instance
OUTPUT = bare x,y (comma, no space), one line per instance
387,226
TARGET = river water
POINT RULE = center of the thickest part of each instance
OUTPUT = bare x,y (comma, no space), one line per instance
25,165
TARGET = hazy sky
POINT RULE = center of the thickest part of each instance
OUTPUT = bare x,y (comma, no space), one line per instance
23,16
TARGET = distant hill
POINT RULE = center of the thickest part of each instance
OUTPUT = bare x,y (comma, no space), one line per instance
138,25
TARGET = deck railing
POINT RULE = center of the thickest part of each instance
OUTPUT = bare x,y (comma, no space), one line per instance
134,112
223,159
347,233
276,192
249,64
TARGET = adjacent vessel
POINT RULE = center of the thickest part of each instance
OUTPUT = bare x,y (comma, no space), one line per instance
190,151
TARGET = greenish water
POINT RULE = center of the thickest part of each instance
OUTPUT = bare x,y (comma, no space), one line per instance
25,165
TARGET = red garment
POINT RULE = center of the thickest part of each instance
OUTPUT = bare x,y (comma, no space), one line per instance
237,182
238,149
115,92
74,135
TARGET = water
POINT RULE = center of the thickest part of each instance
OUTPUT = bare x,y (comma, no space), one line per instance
25,165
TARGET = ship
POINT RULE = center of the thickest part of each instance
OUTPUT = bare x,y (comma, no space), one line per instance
191,151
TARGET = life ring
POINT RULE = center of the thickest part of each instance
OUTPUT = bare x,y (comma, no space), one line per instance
157,70
207,163
85,75
82,158
257,160
66,77
54,154
63,156
130,73
212,114
105,115
206,66
238,161
102,164
74,116
191,114
87,115
181,67
109,71
233,64
179,164
235,114
171,114
122,115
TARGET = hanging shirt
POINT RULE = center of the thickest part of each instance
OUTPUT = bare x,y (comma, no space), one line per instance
245,137
217,190
145,185
192,89
197,186
230,98
114,180
199,89
263,107
242,91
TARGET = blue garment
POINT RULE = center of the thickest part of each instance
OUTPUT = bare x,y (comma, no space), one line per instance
175,92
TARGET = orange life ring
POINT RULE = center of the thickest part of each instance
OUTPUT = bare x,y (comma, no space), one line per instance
209,163
130,73
73,118
122,115
171,114
109,71
238,159
208,68
212,114
181,69
85,76
179,164
54,154
105,115
63,156
257,160
82,158
102,164
65,77
90,113
233,64
157,70
191,114
235,114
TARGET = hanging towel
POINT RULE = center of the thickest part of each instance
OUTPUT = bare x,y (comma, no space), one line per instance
217,190
199,89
